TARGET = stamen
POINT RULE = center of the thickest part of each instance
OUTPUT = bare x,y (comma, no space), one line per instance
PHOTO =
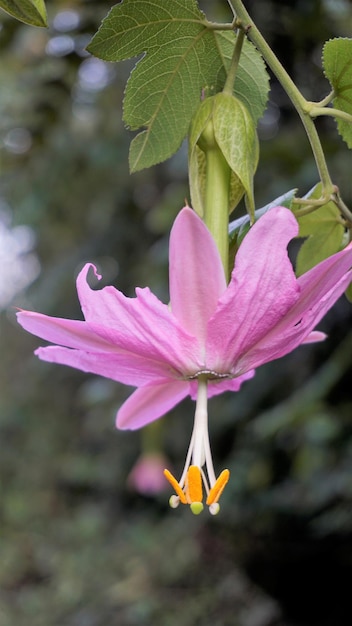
214,508
199,470
200,423
177,487
194,490
192,493
174,501
196,507
217,489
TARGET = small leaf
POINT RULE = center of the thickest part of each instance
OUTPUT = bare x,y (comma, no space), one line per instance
324,231
337,64
183,57
32,12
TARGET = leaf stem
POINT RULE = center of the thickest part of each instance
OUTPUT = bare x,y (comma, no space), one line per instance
325,101
308,205
317,110
231,75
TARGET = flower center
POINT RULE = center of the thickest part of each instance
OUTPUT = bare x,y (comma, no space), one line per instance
210,375
199,470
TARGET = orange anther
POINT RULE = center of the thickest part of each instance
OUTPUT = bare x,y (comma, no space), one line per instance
194,490
176,485
219,486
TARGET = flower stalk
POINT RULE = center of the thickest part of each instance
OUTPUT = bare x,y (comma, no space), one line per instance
216,201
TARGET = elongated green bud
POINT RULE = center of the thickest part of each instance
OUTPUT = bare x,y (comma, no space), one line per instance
223,123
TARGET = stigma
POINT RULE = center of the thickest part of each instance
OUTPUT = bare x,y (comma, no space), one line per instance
198,474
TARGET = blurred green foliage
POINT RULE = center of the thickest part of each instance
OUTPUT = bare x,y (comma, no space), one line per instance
77,546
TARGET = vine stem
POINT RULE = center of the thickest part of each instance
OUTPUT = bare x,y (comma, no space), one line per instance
299,102
343,208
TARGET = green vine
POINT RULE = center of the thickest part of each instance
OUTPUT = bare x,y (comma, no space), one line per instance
306,110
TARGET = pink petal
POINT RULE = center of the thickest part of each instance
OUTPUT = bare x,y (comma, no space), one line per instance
69,333
197,277
141,325
148,403
321,287
262,290
314,337
322,278
127,368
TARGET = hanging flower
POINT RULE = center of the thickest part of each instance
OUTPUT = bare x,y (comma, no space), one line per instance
146,476
210,339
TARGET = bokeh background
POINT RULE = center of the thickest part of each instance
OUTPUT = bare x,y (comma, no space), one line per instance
79,545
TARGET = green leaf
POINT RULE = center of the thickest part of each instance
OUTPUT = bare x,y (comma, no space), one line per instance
183,59
32,12
337,64
324,231
348,292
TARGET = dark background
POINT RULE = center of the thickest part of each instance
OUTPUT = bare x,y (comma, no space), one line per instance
79,546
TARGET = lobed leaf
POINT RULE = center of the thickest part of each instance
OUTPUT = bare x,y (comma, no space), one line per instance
337,64
32,12
183,58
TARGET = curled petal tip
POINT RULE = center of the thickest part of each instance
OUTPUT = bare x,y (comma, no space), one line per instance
85,269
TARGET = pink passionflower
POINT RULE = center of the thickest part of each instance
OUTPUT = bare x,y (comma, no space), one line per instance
211,337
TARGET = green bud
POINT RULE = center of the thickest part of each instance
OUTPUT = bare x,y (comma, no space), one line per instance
222,122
